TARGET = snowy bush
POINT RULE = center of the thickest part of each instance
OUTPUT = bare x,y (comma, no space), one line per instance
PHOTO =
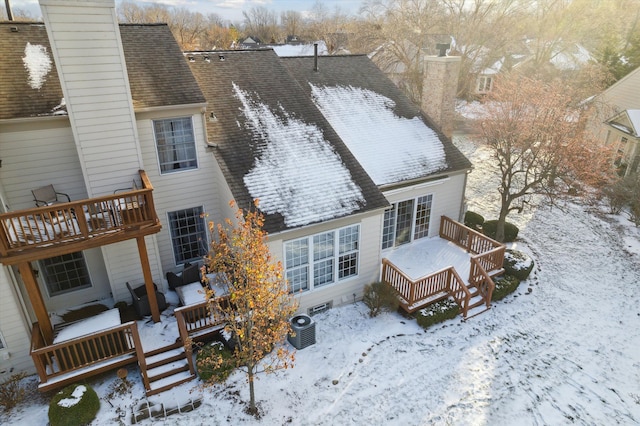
518,264
380,297
12,392
214,362
510,230
473,220
74,405
505,285
437,312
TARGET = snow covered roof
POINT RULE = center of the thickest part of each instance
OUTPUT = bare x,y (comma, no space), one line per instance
385,131
30,86
273,144
300,49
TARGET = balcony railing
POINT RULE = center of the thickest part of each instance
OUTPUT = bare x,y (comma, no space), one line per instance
92,221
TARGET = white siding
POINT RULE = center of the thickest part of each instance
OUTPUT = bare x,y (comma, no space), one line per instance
447,198
35,154
350,289
624,93
179,190
98,98
14,330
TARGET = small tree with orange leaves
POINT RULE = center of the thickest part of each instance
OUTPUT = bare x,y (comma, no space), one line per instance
259,304
536,132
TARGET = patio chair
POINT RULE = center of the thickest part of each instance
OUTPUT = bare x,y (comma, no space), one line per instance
141,300
47,195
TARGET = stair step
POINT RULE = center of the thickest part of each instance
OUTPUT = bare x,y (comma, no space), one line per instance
164,358
169,382
166,370
474,312
163,349
476,303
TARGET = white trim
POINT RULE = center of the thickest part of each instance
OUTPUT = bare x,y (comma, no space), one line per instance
416,187
155,142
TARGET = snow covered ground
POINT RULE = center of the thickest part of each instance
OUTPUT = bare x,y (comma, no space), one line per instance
568,352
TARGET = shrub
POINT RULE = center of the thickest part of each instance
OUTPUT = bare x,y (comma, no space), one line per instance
214,362
437,312
517,264
510,230
380,297
74,405
473,220
505,285
12,392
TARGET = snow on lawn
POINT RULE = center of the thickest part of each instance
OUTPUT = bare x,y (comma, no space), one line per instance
565,353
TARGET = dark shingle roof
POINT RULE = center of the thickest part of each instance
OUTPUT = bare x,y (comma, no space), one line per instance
360,72
157,73
261,74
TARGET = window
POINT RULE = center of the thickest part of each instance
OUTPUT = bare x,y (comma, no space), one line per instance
406,221
484,84
176,144
321,259
66,273
188,234
3,344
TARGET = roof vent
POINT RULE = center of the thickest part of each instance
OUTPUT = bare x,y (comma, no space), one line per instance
221,57
207,58
14,29
191,58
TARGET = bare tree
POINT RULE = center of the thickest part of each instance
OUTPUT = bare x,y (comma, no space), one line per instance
536,133
262,23
291,22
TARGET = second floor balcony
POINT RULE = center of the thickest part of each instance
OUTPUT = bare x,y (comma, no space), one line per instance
53,230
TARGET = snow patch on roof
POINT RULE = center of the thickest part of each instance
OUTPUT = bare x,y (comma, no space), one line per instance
38,64
297,173
390,148
300,49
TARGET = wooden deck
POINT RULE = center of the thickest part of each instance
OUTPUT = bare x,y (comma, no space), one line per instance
66,362
42,232
486,260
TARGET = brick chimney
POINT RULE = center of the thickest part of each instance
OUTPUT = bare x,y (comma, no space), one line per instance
439,87
85,42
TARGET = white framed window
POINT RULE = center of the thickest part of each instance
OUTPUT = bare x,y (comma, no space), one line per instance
621,152
176,144
485,84
406,221
321,259
188,234
66,273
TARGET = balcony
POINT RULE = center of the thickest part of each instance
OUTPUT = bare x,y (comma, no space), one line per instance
43,232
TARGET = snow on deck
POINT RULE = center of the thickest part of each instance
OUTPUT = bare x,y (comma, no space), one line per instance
390,148
428,255
297,173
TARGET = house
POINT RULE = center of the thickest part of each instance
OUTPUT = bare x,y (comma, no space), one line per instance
148,140
617,122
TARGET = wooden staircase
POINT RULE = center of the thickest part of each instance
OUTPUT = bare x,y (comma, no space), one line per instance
165,368
477,304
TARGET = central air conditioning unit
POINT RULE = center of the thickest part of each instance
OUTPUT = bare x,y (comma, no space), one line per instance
305,331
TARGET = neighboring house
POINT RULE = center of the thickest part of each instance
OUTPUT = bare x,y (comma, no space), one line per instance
345,167
616,121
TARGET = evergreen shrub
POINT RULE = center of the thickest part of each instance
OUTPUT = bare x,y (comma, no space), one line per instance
214,362
73,406
437,312
510,230
473,220
517,264
505,285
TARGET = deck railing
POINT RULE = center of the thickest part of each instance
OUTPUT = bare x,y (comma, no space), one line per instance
488,259
465,237
63,223
84,356
415,294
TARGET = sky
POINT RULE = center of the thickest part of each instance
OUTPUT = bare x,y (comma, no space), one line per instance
228,9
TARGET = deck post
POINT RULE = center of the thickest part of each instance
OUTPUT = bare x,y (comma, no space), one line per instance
148,278
35,297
